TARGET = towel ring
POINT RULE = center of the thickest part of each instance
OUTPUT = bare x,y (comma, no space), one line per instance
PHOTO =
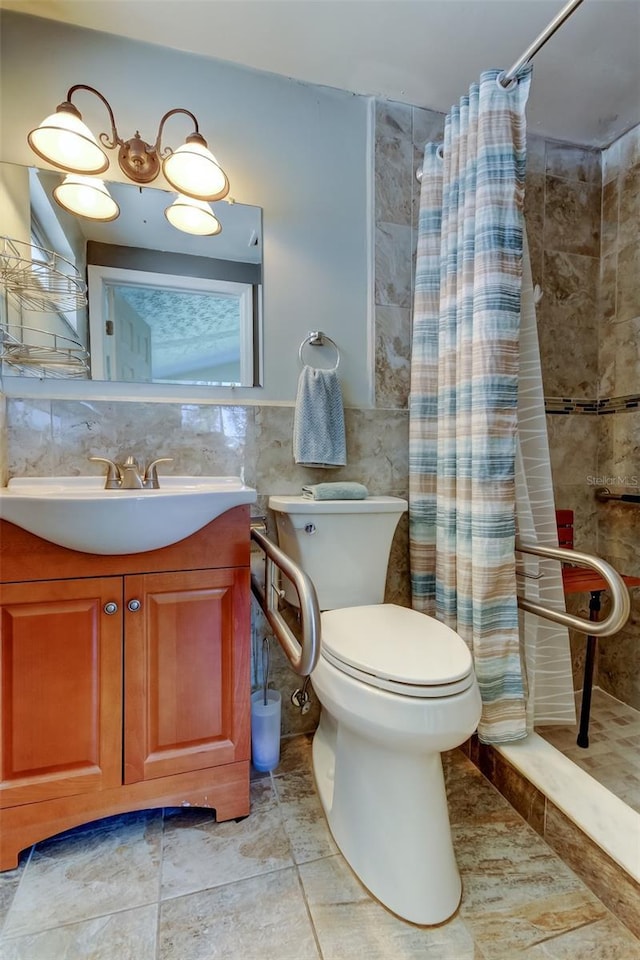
317,338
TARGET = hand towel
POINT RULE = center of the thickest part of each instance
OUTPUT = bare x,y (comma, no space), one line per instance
318,424
340,490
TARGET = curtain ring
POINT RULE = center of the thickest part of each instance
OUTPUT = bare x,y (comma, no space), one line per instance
509,84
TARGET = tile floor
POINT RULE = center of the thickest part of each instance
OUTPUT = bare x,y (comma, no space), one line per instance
174,885
613,755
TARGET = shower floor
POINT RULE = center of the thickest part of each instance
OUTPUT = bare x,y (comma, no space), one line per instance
613,755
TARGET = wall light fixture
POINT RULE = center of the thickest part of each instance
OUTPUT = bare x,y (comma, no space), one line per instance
65,141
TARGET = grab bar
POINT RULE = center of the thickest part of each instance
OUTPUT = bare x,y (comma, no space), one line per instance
603,493
620,606
302,656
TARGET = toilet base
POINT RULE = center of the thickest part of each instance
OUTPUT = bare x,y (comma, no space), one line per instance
388,815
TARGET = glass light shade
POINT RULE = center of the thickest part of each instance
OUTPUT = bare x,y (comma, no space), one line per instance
86,197
194,171
65,141
193,216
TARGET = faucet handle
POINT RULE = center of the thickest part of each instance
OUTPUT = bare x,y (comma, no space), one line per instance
151,474
113,477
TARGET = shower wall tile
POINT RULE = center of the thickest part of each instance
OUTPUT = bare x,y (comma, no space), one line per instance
536,154
393,356
568,324
572,162
628,286
610,202
572,216
629,207
534,221
393,165
428,126
393,120
393,257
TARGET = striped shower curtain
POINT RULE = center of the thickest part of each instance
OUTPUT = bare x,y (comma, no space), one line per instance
464,390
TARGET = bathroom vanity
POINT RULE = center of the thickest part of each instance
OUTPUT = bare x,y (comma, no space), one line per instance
125,680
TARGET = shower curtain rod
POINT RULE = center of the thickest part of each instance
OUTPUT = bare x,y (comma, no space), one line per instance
505,79
539,42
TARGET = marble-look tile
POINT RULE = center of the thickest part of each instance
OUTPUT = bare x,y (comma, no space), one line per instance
304,819
30,447
534,220
129,935
628,288
573,443
393,264
393,172
536,153
629,148
202,439
199,853
350,924
610,201
263,917
523,796
572,217
393,356
295,755
516,891
83,876
619,444
572,162
568,314
605,939
428,126
619,892
608,302
393,119
9,881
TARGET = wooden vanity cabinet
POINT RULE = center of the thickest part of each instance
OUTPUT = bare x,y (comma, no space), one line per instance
124,681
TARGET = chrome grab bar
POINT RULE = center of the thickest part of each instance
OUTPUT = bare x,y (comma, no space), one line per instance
603,494
302,657
620,606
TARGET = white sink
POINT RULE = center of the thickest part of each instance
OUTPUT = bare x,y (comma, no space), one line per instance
78,513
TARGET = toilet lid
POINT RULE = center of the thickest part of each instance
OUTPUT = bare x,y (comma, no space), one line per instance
396,644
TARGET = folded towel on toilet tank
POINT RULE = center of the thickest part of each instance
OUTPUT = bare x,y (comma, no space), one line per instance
339,490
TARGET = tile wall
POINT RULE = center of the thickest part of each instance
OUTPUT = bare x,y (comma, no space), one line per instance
582,220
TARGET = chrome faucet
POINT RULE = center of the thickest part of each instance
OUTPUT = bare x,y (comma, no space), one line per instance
129,475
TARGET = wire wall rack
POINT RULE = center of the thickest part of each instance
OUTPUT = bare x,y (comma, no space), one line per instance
40,280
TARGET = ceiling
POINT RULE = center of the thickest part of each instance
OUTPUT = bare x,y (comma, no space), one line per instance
586,86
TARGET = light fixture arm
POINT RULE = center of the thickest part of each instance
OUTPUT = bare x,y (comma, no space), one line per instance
116,140
167,150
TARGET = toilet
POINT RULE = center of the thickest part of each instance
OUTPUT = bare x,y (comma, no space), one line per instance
396,689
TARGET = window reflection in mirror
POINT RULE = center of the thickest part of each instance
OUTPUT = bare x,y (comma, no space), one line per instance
214,282
159,328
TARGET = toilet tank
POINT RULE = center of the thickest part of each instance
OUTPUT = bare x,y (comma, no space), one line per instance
343,545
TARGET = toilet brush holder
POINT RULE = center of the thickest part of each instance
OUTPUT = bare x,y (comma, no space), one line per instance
265,729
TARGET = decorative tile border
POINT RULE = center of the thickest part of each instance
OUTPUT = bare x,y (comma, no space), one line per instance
605,405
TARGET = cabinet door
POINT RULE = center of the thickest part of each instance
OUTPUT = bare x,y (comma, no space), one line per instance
61,689
187,683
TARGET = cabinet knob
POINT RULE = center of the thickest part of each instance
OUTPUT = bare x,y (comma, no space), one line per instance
110,607
134,605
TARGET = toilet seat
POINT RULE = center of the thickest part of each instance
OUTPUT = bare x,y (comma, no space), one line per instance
397,649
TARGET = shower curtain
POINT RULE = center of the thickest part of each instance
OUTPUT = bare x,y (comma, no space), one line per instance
464,393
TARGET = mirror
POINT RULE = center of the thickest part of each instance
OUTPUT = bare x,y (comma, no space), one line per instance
163,306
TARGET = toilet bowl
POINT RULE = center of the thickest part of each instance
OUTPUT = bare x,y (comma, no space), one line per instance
396,688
